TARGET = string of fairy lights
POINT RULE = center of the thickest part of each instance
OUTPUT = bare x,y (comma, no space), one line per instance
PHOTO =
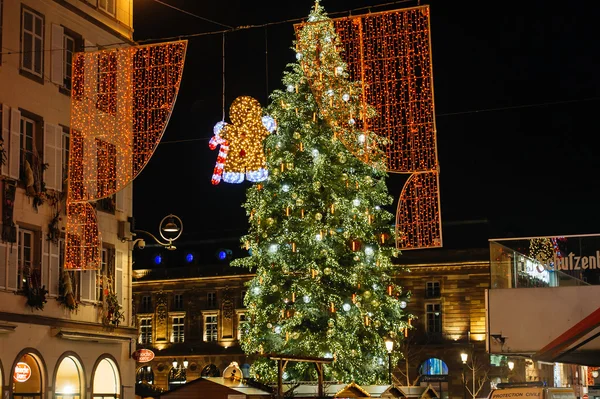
121,102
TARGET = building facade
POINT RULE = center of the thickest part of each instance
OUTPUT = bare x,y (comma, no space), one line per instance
59,334
190,317
447,297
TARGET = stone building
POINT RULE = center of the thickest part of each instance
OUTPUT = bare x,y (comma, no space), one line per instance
189,315
448,301
56,338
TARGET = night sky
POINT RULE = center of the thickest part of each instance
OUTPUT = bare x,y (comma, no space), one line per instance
517,92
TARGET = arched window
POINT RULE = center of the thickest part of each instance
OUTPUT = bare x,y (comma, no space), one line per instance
177,376
27,378
433,366
144,375
67,382
107,381
210,371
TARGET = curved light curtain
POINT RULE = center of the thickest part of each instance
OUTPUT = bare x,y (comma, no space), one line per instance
121,102
390,54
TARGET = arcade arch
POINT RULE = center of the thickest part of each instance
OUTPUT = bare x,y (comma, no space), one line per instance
106,383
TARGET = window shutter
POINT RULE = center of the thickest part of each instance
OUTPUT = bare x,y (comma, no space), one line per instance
57,55
44,244
5,135
13,259
54,269
15,144
52,156
3,261
120,201
119,276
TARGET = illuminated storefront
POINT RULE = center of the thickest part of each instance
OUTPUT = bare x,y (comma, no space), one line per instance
541,315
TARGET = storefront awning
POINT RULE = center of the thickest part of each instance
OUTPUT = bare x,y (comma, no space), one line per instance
569,347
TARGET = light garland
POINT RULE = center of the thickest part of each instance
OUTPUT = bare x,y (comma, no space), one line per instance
121,102
418,219
241,153
390,54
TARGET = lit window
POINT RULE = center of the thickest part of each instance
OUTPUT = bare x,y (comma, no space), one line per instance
210,328
32,42
434,318
241,321
177,334
66,139
145,336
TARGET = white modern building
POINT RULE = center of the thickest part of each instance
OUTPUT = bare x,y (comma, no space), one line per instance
66,343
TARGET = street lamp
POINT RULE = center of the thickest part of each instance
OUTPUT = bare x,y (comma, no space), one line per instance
174,363
389,346
185,363
169,228
511,365
464,357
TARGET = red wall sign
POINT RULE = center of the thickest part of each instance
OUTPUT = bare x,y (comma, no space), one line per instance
143,355
22,372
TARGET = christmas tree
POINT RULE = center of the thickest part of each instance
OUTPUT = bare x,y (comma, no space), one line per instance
320,238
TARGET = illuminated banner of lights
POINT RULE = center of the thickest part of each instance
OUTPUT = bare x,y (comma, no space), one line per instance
121,102
390,54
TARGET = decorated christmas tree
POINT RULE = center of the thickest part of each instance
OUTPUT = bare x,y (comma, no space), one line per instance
321,241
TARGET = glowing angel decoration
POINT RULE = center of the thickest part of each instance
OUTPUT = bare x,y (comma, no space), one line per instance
241,153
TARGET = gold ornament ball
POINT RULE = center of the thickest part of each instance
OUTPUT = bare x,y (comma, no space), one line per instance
289,165
356,258
317,185
270,221
269,325
294,195
375,303
377,323
297,135
344,176
331,322
346,234
295,335
327,271
318,216
357,304
393,334
274,288
265,235
299,202
367,294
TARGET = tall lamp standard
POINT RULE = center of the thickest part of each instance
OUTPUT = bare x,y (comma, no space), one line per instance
464,357
389,345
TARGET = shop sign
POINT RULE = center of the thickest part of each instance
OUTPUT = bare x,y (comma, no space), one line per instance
22,372
143,355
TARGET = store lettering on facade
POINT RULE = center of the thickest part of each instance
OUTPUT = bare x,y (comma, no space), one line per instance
22,372
570,262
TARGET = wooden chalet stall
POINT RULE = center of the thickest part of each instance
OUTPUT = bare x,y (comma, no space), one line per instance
216,388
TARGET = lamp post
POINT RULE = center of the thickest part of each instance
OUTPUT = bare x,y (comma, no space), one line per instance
169,228
464,357
389,346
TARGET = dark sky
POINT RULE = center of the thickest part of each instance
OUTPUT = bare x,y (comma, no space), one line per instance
517,92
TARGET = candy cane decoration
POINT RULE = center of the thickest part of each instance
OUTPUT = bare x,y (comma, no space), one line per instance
223,150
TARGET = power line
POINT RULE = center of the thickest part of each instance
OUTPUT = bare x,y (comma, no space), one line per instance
193,15
522,106
229,29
